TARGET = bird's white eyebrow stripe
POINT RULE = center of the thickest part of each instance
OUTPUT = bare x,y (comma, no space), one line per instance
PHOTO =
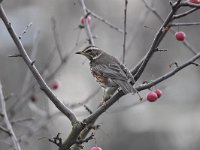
91,48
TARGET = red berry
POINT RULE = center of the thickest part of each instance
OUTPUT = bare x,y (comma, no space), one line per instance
180,36
158,92
33,98
194,1
82,19
152,96
89,18
96,148
54,85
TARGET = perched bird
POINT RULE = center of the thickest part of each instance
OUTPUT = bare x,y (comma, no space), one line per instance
107,70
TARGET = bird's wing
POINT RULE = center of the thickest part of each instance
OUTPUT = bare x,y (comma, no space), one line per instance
127,72
116,74
112,71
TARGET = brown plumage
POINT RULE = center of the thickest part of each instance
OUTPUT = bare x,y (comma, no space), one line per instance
107,70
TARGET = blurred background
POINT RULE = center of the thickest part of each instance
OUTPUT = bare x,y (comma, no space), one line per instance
172,122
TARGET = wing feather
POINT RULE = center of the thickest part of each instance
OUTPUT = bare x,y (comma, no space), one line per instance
116,74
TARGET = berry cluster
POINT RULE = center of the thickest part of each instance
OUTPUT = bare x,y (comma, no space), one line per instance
82,19
154,95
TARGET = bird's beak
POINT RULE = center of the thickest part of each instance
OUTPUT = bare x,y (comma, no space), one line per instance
81,53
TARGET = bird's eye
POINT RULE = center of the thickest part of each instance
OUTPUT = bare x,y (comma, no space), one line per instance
89,51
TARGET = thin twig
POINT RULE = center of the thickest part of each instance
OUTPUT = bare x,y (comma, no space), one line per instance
184,24
189,4
5,130
185,13
152,10
15,55
56,39
25,30
21,120
105,21
125,32
7,122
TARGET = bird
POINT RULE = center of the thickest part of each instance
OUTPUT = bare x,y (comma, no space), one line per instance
108,70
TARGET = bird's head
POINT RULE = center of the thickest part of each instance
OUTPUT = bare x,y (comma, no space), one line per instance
91,52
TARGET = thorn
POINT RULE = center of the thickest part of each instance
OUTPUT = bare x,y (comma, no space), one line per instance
161,50
195,64
33,62
174,63
15,55
88,109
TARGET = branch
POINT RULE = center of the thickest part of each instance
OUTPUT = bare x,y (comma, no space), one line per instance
185,24
9,130
105,21
103,107
189,4
34,70
185,13
168,75
21,120
125,32
25,30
